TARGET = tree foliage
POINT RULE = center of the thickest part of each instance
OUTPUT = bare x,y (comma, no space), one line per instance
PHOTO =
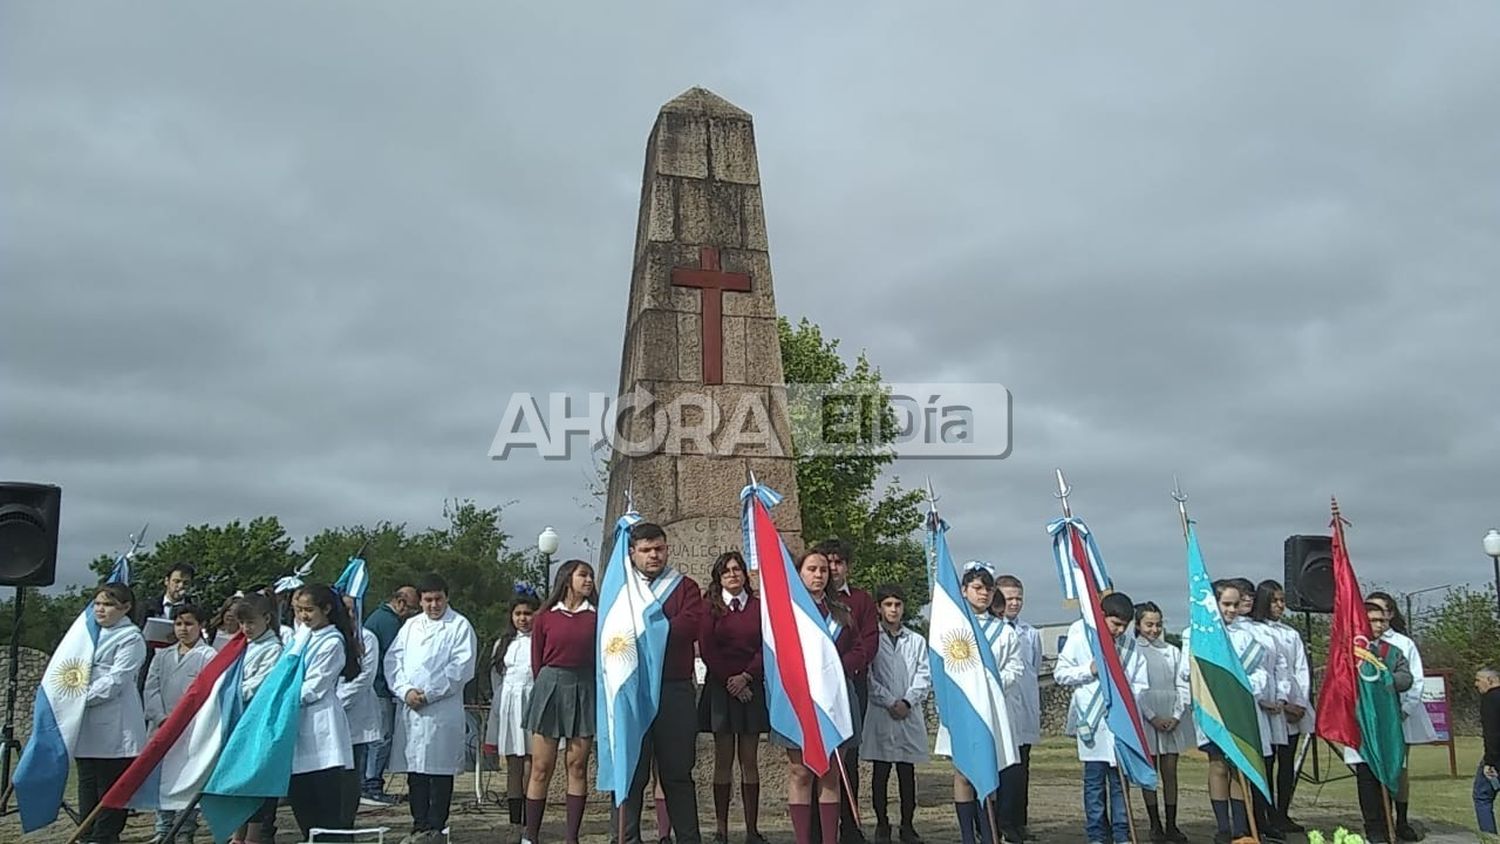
839,495
1463,634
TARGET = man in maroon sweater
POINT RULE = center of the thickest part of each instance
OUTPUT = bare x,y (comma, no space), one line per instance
866,624
672,740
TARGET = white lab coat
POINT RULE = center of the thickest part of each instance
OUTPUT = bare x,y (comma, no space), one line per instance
260,657
322,729
1072,670
114,720
1279,673
437,659
358,695
168,677
1289,641
1010,667
1260,680
899,672
1416,723
1023,698
1167,696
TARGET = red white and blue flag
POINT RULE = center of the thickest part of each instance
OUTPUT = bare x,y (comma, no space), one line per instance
805,687
1111,700
175,763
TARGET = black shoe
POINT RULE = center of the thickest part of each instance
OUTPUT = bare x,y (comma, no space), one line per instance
882,833
1158,835
1272,833
853,836
1175,835
1012,835
909,835
755,838
1289,825
1405,832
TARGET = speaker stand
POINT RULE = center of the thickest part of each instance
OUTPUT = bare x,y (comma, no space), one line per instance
9,746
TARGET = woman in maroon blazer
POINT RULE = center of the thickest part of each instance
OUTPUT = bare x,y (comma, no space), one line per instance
733,704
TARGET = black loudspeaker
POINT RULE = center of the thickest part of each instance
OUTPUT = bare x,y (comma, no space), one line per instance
1309,573
28,533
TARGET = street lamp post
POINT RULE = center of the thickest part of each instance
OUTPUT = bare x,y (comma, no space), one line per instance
1492,548
547,543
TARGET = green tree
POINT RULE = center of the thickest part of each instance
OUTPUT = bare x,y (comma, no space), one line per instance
45,618
1462,634
839,495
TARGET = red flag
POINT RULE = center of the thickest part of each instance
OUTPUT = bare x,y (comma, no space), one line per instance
198,693
1336,719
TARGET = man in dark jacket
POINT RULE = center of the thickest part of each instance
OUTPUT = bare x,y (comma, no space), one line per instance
385,622
1487,777
866,623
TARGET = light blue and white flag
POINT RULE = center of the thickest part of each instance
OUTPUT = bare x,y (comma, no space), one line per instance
57,715
354,582
632,645
256,762
965,678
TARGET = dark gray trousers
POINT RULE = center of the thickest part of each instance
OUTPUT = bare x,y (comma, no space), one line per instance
673,742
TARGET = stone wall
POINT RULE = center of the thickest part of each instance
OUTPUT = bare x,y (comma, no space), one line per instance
31,667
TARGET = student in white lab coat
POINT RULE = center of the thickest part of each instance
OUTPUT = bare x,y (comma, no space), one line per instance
895,729
427,667
1104,809
1166,717
1279,688
1224,794
1416,723
256,616
1296,702
114,721
320,791
505,732
360,706
167,679
1024,702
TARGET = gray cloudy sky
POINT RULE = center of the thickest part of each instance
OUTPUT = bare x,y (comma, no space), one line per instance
294,259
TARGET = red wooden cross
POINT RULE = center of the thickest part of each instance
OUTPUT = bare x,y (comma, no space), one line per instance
713,281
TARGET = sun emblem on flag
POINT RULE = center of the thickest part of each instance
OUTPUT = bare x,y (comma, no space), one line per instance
960,651
70,678
620,648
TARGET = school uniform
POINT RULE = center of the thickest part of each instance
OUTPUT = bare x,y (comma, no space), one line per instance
1371,792
806,819
1103,796
167,679
261,655
1167,695
1023,702
730,645
672,739
1416,722
362,711
865,619
318,791
1299,686
1230,815
435,657
563,694
899,673
511,684
1006,647
114,722
562,703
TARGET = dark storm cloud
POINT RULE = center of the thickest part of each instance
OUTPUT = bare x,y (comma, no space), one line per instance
295,259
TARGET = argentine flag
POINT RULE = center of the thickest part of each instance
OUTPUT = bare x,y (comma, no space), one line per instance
965,679
57,716
805,688
632,645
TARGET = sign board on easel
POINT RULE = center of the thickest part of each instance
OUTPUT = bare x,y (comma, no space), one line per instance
1435,686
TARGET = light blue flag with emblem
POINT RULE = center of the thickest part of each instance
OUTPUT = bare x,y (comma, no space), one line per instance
57,715
256,762
965,678
632,645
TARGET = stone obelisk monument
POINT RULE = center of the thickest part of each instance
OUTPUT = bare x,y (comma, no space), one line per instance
701,367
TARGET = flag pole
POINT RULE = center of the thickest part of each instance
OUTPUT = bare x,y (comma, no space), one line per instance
1063,490
1385,803
1249,796
988,802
